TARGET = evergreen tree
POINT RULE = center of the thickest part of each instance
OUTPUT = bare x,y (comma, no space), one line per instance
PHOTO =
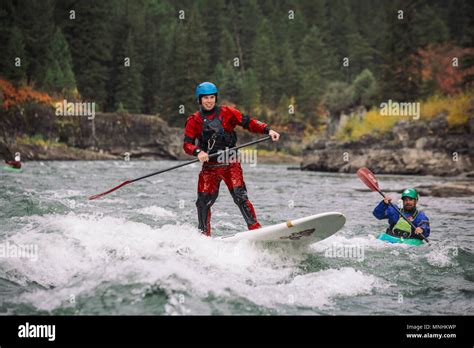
399,79
315,14
459,14
428,28
153,49
226,50
361,55
7,11
250,91
313,70
340,29
15,49
338,97
364,87
297,28
264,63
219,39
288,70
187,65
227,79
128,88
37,23
59,75
249,19
90,42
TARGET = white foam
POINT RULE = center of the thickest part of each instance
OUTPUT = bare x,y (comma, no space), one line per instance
318,289
442,255
79,252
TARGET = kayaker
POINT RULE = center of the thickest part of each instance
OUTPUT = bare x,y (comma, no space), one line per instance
213,128
398,226
16,163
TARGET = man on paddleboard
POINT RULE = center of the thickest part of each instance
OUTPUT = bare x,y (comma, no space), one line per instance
398,226
213,128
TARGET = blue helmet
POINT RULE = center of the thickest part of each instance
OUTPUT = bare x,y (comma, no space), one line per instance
205,88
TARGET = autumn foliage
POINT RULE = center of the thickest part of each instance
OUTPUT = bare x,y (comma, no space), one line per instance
441,66
11,95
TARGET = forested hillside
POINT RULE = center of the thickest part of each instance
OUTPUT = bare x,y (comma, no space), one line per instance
286,61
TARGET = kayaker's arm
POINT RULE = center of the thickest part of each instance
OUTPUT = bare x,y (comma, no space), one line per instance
423,222
380,211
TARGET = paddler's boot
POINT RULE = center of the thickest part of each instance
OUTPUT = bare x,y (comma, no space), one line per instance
239,194
254,226
204,202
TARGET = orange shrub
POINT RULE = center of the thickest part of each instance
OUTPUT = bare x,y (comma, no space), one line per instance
11,95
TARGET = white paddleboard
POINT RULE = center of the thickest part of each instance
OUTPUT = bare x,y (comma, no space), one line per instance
305,230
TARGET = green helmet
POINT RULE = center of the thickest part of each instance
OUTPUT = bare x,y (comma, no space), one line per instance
410,192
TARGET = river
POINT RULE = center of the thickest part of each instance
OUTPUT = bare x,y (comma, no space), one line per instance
137,250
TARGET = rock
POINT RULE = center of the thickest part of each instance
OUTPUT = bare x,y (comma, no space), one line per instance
421,143
439,124
109,135
469,174
60,153
330,160
5,152
471,124
412,147
459,189
456,144
368,140
318,145
429,142
407,132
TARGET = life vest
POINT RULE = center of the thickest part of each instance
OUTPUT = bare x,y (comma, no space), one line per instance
402,228
213,136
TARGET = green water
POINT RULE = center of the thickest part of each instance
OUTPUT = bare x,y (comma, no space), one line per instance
137,251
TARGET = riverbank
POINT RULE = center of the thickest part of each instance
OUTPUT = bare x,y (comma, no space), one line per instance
410,148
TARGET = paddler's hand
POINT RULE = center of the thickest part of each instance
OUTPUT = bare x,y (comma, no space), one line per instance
203,156
418,230
275,136
387,199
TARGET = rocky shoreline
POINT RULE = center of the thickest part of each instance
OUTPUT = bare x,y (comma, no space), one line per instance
456,188
112,136
430,148
106,137
421,148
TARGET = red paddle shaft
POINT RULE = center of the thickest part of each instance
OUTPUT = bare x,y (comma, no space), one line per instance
369,179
